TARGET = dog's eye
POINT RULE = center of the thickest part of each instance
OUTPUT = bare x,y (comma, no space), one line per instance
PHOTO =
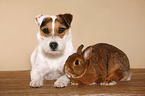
46,31
77,62
61,30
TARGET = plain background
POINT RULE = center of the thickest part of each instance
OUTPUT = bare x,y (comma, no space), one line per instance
117,22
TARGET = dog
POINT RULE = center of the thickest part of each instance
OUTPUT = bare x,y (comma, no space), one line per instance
55,45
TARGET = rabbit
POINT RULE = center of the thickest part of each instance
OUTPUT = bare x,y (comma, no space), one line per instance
102,64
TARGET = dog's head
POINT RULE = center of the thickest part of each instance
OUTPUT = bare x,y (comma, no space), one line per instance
54,32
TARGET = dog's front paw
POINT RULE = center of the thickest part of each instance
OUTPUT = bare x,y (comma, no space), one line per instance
36,83
60,84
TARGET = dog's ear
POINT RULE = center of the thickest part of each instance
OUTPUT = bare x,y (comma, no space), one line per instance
67,18
38,19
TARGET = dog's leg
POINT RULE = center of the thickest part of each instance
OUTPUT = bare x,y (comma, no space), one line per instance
36,79
62,81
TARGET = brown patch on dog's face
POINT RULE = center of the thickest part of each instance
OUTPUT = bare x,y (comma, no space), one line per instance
46,27
60,27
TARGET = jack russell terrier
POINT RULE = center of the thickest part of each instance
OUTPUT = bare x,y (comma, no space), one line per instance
55,45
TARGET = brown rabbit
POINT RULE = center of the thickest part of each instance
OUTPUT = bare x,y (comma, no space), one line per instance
101,63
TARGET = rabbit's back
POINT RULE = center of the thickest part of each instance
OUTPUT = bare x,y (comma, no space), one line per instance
107,58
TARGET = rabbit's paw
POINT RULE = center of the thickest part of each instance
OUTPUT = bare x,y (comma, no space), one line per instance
74,83
93,83
106,82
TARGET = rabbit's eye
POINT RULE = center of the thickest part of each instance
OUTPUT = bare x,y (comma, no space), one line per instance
77,62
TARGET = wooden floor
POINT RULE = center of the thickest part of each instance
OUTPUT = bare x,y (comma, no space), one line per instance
17,84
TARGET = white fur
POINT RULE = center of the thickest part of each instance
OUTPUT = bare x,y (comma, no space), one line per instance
62,81
47,63
53,24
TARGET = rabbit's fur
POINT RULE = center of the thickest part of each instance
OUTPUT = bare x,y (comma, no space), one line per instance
101,63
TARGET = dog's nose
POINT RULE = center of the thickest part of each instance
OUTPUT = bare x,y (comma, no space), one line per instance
53,45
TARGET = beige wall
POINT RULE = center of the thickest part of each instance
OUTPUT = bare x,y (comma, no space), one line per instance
118,22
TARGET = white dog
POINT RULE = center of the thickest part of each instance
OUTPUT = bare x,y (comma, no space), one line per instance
55,45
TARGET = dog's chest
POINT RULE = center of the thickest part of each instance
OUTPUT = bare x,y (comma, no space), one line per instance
55,64
52,68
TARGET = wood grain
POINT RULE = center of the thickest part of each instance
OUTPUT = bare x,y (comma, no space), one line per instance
17,84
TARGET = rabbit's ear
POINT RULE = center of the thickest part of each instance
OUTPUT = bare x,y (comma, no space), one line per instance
87,53
79,50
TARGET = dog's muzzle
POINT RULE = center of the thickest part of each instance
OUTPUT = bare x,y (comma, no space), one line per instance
53,46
